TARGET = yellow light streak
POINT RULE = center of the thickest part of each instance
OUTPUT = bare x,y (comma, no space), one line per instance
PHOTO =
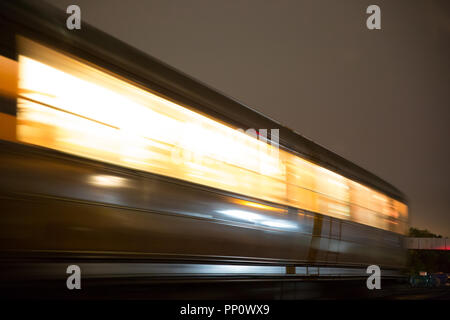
258,205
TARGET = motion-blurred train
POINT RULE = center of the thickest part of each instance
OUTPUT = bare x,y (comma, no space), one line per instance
110,157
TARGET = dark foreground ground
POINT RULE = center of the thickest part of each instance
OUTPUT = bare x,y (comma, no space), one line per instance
228,289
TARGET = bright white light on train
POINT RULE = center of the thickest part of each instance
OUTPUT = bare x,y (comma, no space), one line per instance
126,108
260,219
381,198
68,106
107,181
243,215
279,224
338,183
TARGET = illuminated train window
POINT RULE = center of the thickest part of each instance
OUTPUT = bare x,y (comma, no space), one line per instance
68,105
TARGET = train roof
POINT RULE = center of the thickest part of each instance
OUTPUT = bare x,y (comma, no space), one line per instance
47,25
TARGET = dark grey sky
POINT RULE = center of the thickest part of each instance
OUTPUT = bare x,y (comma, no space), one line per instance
379,98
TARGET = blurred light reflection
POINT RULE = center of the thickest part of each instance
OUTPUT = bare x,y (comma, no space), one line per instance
260,219
107,181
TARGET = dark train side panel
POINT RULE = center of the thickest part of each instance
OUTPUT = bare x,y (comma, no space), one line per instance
48,204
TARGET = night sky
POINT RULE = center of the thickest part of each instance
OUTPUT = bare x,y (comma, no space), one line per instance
380,98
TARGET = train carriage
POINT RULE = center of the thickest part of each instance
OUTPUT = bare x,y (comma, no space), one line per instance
110,156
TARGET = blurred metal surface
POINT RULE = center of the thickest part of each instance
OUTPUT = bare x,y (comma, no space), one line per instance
49,206
45,271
